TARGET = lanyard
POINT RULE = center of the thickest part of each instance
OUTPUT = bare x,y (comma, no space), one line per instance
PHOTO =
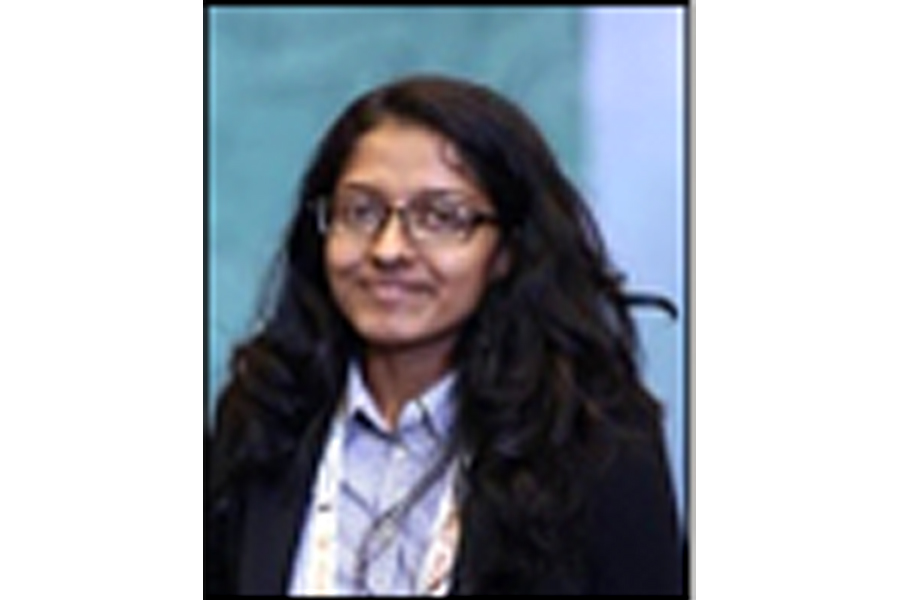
320,553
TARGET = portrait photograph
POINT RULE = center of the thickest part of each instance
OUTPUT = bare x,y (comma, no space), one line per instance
447,321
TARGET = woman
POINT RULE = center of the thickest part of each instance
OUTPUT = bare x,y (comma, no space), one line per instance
444,396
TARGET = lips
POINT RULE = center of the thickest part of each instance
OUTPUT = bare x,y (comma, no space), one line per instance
391,291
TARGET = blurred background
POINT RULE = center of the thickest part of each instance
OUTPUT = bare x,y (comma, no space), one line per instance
605,84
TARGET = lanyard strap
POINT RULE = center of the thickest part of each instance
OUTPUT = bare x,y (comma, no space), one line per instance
320,560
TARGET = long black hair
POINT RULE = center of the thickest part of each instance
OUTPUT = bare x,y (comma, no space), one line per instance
547,366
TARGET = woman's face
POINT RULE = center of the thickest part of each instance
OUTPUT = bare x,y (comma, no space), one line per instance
398,292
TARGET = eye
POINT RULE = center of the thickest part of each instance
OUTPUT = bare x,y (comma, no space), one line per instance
439,215
358,210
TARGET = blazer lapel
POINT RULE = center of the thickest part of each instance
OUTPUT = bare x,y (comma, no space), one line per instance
275,513
476,547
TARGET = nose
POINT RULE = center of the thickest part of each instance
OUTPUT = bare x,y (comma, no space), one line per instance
391,243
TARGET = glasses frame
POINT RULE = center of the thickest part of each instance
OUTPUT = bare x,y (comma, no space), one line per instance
475,218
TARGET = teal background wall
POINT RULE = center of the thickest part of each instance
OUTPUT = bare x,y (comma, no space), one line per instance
602,84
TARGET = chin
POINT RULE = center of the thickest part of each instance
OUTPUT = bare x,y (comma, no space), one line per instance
379,328
389,338
402,338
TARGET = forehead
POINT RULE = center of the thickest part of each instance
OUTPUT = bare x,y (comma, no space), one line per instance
401,158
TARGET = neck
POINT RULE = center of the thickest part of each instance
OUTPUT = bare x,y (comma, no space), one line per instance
394,377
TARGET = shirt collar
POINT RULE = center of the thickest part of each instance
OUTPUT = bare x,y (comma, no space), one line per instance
434,407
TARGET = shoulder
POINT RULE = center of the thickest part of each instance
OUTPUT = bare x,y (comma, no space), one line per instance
253,452
635,540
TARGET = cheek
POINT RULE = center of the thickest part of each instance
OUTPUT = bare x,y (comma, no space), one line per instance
465,282
340,259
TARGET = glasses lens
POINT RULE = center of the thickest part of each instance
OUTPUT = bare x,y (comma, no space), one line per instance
357,212
438,218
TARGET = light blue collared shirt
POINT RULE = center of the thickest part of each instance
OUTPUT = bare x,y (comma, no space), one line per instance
380,467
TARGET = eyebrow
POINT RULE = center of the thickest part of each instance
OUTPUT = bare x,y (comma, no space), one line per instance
428,191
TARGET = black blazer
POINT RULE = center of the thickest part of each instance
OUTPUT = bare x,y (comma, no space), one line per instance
634,544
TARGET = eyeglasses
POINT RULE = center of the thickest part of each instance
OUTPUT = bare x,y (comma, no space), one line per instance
430,218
